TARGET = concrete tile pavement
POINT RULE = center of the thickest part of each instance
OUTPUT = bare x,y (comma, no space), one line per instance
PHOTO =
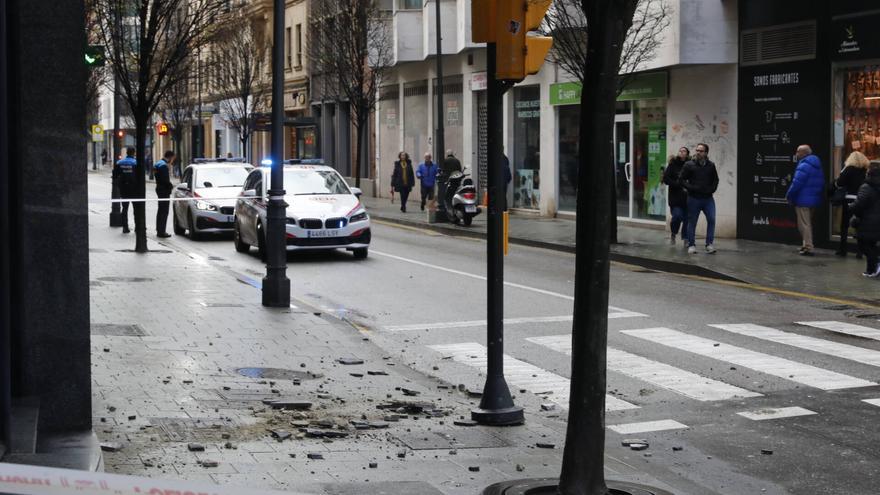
165,374
762,264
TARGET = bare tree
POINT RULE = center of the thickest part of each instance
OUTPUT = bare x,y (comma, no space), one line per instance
350,48
567,22
98,76
148,42
177,107
243,51
583,457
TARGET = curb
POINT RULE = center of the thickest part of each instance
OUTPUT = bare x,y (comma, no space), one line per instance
643,262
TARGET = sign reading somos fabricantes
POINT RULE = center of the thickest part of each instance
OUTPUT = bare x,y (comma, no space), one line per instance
639,87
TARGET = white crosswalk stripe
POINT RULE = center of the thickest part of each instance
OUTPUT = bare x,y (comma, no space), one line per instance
765,363
523,375
613,313
844,351
663,375
770,413
844,328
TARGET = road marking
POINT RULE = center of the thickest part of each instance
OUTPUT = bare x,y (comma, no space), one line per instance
471,275
612,313
783,412
844,351
669,377
873,402
844,328
523,375
765,363
647,426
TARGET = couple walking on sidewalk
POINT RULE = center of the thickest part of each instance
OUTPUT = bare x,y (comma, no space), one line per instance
692,183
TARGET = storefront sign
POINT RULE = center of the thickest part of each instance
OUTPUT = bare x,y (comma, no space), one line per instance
453,115
778,111
640,87
479,81
856,37
528,109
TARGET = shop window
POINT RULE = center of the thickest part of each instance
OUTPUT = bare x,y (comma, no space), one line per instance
569,126
527,147
649,159
452,116
415,119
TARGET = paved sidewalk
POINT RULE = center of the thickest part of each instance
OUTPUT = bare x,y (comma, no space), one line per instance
172,330
760,263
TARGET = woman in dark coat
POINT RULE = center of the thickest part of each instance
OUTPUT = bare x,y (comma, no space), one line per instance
866,210
403,178
851,178
677,194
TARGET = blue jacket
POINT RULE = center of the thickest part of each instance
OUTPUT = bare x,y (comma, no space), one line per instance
808,186
427,173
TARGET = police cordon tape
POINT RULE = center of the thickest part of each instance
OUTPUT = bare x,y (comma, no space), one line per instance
159,200
20,479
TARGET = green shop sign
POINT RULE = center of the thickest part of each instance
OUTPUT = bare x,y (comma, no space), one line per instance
640,87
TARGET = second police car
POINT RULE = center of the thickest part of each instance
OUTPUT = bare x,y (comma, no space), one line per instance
323,212
207,190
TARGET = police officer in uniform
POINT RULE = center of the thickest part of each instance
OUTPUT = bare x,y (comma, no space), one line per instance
163,191
124,179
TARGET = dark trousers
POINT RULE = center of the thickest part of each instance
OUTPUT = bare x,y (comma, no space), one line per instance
679,220
846,218
707,207
869,248
162,214
125,215
404,195
427,193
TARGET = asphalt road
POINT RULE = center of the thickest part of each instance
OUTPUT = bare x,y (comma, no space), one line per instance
421,295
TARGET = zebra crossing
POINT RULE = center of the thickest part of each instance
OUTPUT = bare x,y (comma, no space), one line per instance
676,379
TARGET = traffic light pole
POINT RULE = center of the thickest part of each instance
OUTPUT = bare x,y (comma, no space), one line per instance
276,285
496,407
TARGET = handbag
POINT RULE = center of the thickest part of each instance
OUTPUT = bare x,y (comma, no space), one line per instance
837,196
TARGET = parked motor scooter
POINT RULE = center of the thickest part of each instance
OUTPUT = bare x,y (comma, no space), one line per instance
461,198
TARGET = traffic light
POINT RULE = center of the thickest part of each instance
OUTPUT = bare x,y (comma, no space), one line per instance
120,134
519,54
95,56
162,128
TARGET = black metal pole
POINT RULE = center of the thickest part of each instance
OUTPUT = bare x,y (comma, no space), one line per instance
5,245
496,407
94,155
116,208
439,139
276,286
199,151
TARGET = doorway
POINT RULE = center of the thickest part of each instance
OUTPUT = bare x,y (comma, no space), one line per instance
623,169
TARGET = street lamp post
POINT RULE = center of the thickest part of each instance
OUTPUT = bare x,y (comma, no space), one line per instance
276,285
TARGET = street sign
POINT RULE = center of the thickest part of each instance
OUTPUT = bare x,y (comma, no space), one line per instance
97,133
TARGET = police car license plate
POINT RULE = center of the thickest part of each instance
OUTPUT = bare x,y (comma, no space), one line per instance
323,233
230,218
470,208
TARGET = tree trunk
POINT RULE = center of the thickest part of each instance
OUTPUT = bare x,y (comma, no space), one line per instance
583,458
360,147
140,223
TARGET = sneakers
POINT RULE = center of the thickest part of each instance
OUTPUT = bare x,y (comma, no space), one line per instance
163,235
672,240
710,248
875,274
692,250
806,252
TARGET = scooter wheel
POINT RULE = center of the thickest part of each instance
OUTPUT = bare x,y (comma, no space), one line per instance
467,220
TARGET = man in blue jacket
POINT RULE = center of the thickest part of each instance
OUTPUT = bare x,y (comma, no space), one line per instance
807,191
427,174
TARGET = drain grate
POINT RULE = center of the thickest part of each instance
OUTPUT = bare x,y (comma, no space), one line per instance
839,307
870,316
277,374
116,330
125,279
216,258
452,439
190,430
152,251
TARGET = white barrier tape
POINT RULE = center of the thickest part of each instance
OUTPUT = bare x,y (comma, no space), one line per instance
19,479
159,200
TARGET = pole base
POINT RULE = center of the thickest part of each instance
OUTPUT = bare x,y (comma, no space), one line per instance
276,292
116,219
509,416
548,486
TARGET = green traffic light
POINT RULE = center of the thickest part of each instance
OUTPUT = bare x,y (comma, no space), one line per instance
94,56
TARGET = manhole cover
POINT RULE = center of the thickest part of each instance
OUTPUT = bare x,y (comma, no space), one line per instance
115,330
451,439
277,374
125,279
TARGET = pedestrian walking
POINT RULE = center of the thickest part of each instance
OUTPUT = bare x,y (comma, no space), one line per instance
847,184
403,179
427,175
805,193
677,195
866,211
700,178
125,180
163,191
103,157
450,164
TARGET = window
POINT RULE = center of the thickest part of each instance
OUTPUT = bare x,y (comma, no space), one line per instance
527,147
287,50
410,4
299,46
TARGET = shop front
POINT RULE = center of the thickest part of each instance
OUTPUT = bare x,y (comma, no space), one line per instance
639,146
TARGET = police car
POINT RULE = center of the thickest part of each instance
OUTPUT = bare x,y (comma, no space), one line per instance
323,212
207,195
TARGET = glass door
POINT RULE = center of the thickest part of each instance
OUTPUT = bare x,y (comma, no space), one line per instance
623,170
